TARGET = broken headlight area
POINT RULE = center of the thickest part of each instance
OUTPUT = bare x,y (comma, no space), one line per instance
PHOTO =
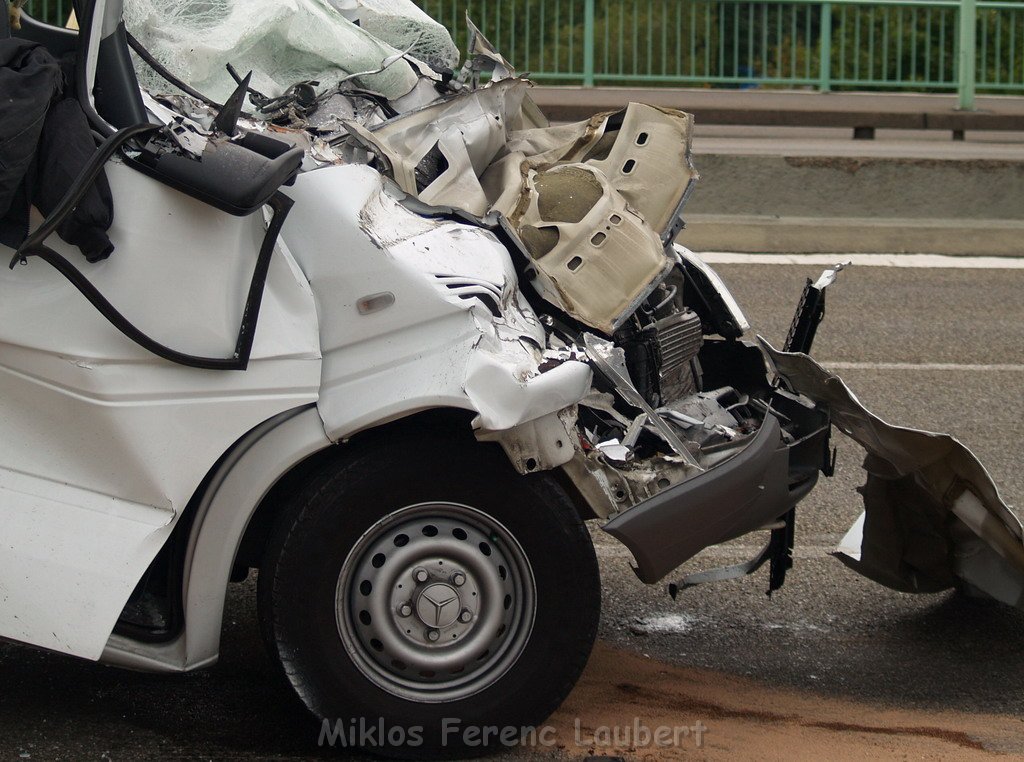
686,438
701,468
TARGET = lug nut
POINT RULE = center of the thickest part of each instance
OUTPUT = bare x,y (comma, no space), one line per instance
466,616
420,575
458,579
405,610
433,635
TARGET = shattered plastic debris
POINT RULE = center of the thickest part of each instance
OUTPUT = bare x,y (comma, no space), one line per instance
664,624
615,450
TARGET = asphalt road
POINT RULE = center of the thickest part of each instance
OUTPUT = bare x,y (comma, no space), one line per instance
827,631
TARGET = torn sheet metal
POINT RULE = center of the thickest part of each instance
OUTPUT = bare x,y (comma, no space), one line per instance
610,361
644,151
594,257
438,153
483,58
933,518
595,205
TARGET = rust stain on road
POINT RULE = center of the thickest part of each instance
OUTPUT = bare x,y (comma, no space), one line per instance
624,692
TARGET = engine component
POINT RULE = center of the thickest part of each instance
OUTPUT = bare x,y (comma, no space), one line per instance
660,357
678,339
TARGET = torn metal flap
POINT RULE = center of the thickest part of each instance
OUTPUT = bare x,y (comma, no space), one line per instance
933,516
594,257
644,151
437,153
483,57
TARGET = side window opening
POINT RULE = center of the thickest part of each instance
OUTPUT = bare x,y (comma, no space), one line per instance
56,39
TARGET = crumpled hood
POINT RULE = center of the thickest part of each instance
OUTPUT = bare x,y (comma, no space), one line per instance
933,518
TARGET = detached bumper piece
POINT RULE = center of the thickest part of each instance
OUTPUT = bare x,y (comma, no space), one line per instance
748,492
933,518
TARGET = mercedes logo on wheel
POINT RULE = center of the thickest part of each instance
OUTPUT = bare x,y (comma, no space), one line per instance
438,606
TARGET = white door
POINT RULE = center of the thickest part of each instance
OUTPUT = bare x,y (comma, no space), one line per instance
102,444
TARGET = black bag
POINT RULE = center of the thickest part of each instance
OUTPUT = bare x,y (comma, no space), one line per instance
45,143
29,80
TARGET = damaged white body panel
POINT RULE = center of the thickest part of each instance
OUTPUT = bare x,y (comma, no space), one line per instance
456,332
105,443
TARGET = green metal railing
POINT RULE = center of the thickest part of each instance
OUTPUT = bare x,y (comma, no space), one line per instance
54,12
931,45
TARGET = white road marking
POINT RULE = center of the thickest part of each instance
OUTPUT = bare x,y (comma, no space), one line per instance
930,261
941,366
722,554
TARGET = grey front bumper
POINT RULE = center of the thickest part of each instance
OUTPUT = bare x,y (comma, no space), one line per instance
747,492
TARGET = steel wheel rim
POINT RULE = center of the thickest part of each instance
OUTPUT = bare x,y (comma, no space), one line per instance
435,602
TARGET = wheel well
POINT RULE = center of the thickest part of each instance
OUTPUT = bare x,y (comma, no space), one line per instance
447,424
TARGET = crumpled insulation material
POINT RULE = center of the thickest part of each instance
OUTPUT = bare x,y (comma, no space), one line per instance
282,41
401,24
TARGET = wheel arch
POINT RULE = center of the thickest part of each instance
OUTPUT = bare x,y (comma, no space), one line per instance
243,500
444,423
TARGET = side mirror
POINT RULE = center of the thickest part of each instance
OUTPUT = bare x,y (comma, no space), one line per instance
235,176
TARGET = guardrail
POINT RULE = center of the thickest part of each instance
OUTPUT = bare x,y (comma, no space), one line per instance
933,45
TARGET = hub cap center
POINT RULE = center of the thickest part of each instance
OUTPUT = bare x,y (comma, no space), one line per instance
438,606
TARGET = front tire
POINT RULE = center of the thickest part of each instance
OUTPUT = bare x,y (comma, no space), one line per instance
427,601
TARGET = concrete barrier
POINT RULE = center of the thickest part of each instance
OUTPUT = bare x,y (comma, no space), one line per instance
862,112
857,205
